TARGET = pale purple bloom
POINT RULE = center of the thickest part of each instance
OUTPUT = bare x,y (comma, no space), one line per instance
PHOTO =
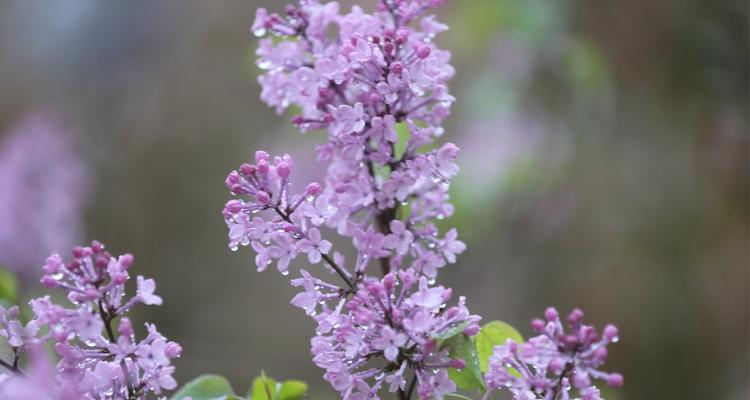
389,341
314,246
450,246
400,238
349,119
43,190
146,288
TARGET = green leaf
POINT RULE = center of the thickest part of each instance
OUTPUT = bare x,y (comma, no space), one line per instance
292,390
469,377
8,286
402,132
451,331
207,387
264,388
493,334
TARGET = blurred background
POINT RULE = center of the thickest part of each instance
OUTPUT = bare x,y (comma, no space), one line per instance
604,166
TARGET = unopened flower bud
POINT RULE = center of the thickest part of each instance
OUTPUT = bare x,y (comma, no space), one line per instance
313,189
423,52
262,197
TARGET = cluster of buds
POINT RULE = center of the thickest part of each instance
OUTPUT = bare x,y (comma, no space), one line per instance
556,362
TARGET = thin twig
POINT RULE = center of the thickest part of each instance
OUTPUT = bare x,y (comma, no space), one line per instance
325,257
13,369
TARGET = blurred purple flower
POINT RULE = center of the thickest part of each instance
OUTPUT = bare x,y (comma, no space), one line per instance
43,189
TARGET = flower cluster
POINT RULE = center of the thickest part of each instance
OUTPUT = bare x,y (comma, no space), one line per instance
397,318
552,364
43,189
376,76
96,361
377,84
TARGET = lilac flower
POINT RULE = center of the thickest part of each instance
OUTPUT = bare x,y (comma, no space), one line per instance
43,190
376,321
400,238
95,362
314,246
146,294
450,246
555,363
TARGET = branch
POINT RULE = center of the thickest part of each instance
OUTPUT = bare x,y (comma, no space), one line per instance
325,257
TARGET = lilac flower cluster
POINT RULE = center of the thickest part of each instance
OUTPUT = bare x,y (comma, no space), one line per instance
375,76
96,360
43,189
397,318
554,363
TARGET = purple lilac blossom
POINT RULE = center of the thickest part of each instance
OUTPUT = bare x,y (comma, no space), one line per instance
395,318
554,364
365,79
378,74
100,357
43,189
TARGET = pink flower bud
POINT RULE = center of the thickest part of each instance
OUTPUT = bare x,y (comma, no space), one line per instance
283,170
79,252
261,155
458,363
575,317
557,365
246,169
263,166
551,314
173,350
262,197
615,380
471,330
125,328
126,260
537,325
313,189
397,68
610,333
423,52
91,294
233,206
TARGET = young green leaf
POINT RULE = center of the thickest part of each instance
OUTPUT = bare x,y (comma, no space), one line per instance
265,388
493,334
292,390
207,387
452,331
470,377
8,286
